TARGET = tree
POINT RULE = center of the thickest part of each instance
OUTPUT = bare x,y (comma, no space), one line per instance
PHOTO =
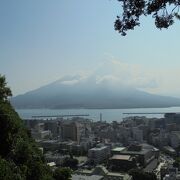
20,157
163,11
70,162
62,174
6,170
5,91
176,163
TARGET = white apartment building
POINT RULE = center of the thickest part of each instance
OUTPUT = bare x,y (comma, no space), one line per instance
99,154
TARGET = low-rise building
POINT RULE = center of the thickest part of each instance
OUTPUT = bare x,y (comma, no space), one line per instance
144,153
175,139
117,150
101,171
98,154
38,135
137,134
122,163
56,158
84,177
169,150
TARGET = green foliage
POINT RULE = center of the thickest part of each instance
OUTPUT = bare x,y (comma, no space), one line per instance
163,11
5,91
38,171
62,174
5,169
141,175
10,171
20,157
176,163
11,129
70,162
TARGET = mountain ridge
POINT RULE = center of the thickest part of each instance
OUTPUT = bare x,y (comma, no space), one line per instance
77,92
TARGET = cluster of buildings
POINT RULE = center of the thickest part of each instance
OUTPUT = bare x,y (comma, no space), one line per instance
111,149
62,134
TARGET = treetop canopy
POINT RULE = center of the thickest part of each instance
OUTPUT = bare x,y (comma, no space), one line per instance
163,11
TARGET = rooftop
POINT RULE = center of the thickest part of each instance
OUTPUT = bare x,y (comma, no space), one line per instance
169,148
177,133
122,157
118,149
83,177
142,152
51,164
119,175
98,148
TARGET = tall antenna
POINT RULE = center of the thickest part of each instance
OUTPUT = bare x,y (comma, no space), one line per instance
101,117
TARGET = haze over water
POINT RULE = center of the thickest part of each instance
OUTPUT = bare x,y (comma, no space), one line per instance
108,115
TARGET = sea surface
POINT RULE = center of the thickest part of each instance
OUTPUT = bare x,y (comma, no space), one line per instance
108,115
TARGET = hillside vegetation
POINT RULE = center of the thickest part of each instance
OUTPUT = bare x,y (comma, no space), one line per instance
20,157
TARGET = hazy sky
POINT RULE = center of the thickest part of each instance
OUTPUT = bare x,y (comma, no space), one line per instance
43,40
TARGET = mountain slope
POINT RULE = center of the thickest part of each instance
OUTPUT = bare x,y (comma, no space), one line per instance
77,92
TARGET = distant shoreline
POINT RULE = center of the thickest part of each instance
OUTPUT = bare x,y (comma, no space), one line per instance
95,108
108,115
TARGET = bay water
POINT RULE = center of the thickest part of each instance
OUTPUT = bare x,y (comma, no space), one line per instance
108,115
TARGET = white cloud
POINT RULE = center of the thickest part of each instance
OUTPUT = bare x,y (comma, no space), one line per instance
168,82
120,73
114,71
70,82
106,78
